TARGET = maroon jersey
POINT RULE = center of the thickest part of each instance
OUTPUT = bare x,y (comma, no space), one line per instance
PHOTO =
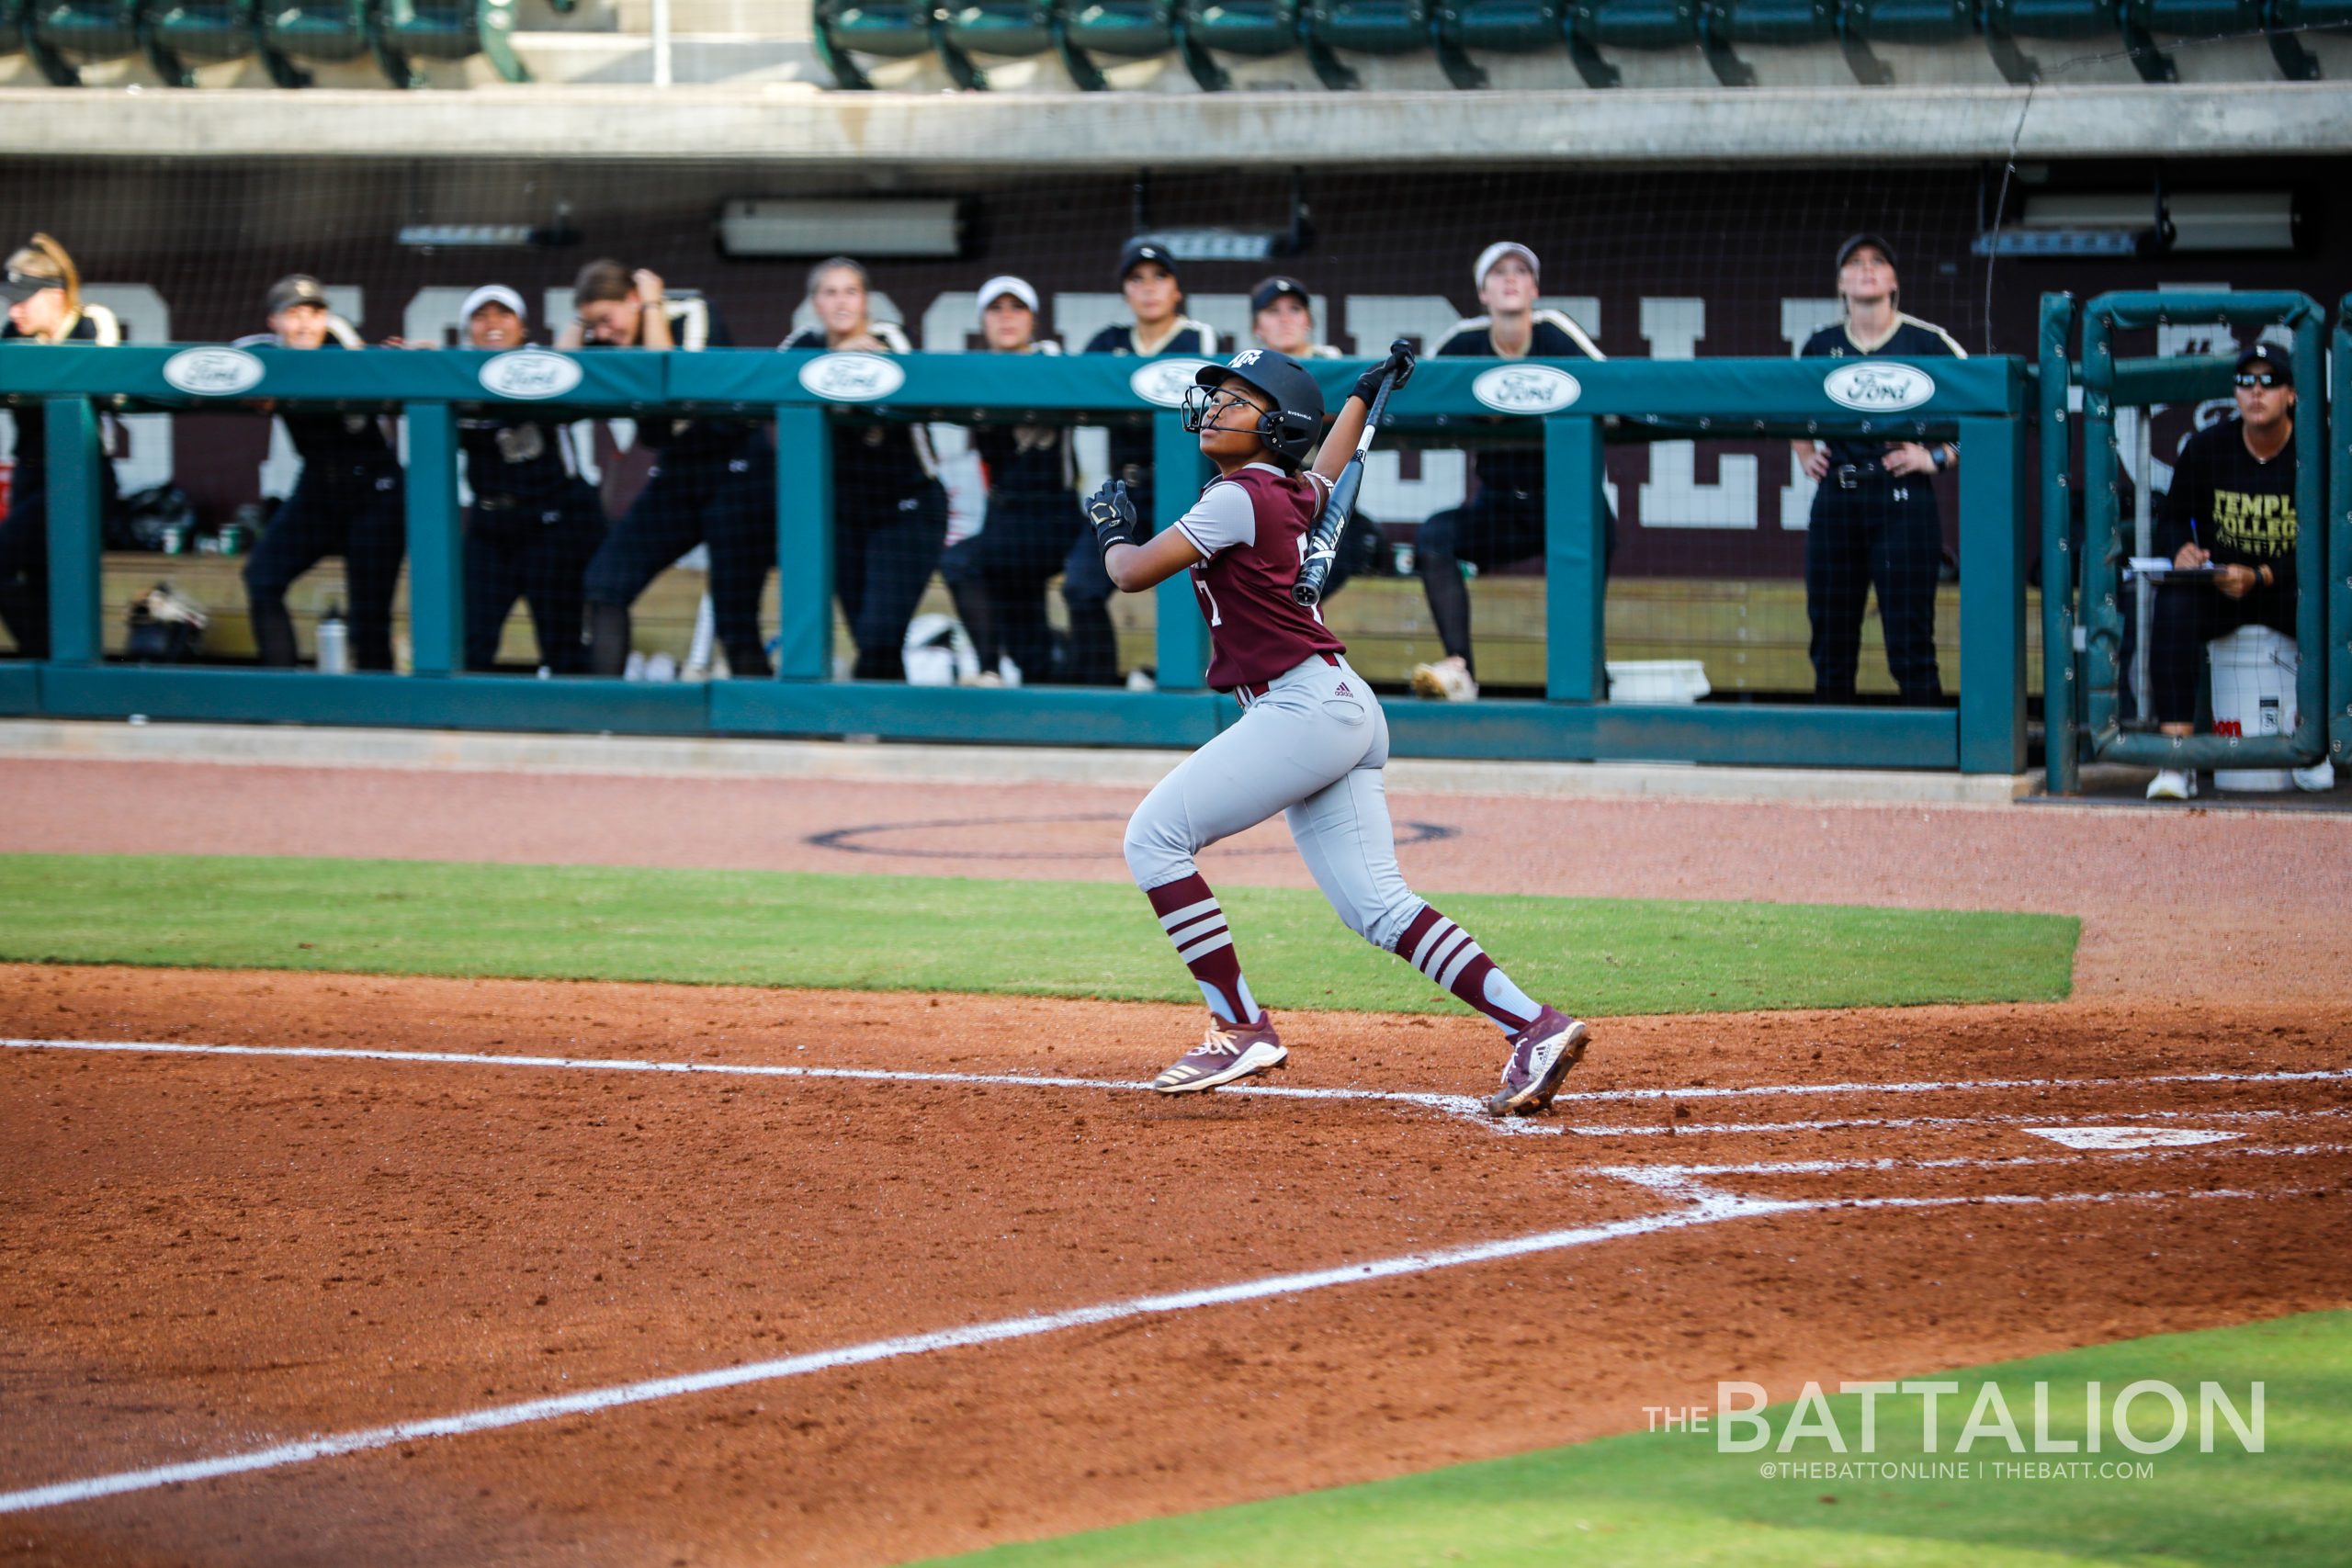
1251,529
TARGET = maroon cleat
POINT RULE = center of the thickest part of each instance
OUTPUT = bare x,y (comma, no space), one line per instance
1230,1050
1541,1055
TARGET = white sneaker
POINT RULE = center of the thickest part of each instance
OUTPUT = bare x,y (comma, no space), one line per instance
2173,784
1448,680
2319,778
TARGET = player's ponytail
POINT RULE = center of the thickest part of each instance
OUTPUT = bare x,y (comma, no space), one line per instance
44,259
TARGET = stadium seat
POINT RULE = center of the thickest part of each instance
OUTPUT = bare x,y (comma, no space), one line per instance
445,29
1504,27
1722,23
1861,23
59,32
1018,27
894,30
177,32
1626,24
331,30
2068,21
2295,62
2189,18
1367,27
1257,28
1130,29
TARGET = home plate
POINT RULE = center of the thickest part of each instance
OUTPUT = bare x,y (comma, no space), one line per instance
2128,1137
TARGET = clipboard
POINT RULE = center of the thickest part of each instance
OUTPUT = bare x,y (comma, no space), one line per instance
2160,568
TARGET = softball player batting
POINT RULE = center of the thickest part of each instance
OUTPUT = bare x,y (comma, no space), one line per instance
1312,739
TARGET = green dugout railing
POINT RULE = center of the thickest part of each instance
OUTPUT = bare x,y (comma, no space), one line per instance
2083,633
1566,408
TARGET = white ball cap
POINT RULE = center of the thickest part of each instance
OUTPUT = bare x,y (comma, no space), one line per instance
491,294
997,288
1495,252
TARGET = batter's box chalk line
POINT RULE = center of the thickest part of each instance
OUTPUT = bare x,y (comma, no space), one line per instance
1465,1106
1701,1205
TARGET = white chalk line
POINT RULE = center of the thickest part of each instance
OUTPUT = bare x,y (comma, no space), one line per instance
1691,1129
1468,1107
589,1401
1707,1207
1985,1162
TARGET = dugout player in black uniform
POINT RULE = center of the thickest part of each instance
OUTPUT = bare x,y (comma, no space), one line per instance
713,482
43,290
999,575
2232,506
1875,522
1503,519
535,522
889,509
347,502
1147,279
1282,317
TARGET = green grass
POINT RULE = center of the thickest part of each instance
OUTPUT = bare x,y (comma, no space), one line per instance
1652,1498
1601,956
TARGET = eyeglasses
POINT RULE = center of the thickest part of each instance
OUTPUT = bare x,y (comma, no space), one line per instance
2260,378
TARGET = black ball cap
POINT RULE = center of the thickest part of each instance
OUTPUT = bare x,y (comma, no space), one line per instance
1139,252
297,289
2271,357
1273,289
1856,242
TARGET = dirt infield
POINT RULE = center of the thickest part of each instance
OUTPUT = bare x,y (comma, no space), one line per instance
213,1254
276,1221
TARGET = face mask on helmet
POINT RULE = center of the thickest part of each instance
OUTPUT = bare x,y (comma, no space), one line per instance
1289,435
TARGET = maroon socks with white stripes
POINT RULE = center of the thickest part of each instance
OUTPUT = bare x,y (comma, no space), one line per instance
1189,913
1194,921
1443,951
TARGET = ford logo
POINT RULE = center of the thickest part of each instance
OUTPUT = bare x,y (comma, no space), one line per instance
530,373
1875,387
852,378
1165,381
1526,388
214,372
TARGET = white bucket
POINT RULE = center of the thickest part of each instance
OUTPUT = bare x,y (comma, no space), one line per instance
1657,681
2253,694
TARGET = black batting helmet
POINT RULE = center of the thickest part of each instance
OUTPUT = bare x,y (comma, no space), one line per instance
1295,423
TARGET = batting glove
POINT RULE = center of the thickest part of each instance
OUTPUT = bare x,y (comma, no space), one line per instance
1400,361
1113,515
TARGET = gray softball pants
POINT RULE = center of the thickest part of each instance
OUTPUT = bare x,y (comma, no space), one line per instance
1311,747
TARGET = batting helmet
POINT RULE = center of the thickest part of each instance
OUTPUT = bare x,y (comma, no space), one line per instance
1292,427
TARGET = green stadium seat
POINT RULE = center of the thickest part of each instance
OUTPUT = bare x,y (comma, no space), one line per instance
1861,23
1017,28
1722,23
892,29
2190,18
445,29
2295,62
331,30
1626,24
2067,21
1368,27
60,32
1128,29
177,32
1504,27
1256,28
